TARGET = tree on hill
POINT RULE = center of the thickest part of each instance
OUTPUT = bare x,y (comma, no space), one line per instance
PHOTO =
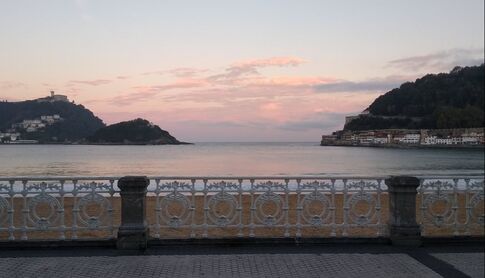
445,100
138,131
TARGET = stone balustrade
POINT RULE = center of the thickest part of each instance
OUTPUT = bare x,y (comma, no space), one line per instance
133,210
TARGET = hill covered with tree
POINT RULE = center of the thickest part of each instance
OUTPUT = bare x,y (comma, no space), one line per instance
443,101
76,122
138,131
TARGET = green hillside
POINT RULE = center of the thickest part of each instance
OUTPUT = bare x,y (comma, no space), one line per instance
138,131
77,121
445,100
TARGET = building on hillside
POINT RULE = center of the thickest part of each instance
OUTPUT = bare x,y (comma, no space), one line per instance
429,140
348,119
409,138
444,141
364,113
472,138
329,139
53,98
457,140
366,137
381,140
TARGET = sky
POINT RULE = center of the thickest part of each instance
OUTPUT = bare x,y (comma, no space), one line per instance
228,70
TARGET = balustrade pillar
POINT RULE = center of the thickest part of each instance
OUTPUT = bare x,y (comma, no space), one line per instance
403,228
133,231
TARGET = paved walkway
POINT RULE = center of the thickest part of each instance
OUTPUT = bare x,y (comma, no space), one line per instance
262,261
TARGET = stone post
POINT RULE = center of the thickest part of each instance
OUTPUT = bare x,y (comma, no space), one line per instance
403,228
133,231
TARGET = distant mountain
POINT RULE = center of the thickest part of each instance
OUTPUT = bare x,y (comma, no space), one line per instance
138,131
74,123
445,100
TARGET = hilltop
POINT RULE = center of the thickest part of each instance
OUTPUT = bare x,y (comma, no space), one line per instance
48,120
435,101
138,131
54,119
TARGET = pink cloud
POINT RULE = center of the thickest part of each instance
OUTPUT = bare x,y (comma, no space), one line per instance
156,72
179,84
186,72
273,61
250,67
296,81
146,92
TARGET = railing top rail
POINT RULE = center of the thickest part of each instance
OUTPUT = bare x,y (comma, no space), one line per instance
57,178
320,177
451,177
266,177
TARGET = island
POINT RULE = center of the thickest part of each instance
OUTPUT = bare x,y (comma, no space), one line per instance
134,132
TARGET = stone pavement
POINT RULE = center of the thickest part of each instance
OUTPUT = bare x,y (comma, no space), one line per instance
247,261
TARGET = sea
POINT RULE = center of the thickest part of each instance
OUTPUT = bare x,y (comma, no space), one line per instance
236,159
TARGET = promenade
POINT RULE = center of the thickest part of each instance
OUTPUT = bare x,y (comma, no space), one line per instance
282,260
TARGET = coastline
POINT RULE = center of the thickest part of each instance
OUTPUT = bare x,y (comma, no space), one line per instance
97,144
407,146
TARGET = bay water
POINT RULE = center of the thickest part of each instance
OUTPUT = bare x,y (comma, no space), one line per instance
235,159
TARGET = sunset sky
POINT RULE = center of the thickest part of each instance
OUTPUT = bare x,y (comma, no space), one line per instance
231,70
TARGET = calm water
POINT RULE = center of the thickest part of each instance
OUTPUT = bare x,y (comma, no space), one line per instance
234,159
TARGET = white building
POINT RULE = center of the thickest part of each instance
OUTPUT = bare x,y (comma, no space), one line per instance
412,138
457,140
471,138
444,141
53,98
381,140
430,140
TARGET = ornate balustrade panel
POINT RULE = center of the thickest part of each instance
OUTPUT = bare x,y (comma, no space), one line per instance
58,208
451,206
174,205
266,206
217,207
362,205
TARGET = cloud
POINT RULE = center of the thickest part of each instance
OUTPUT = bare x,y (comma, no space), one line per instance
155,72
183,72
273,61
250,67
371,85
286,81
186,72
96,82
440,61
144,93
179,84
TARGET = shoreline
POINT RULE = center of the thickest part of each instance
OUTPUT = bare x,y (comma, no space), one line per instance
409,146
99,144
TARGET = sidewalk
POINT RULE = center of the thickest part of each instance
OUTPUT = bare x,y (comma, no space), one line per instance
248,261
